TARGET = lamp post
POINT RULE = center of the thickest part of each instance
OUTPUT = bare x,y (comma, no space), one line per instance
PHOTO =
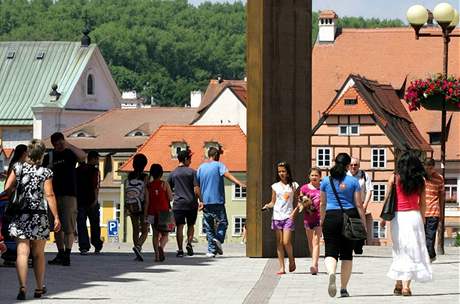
447,18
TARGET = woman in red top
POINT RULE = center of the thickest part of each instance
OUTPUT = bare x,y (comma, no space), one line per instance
158,195
410,255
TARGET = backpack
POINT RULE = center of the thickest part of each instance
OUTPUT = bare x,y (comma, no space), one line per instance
134,194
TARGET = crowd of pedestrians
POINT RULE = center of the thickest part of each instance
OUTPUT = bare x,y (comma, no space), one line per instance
59,192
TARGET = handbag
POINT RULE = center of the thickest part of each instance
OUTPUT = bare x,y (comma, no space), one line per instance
16,203
165,221
352,228
389,205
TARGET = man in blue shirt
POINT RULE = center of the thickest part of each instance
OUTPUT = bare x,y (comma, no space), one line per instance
210,177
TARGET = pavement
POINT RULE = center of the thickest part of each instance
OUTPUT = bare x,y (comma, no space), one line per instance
114,277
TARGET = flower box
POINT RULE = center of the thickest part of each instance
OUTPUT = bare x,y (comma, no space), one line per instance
434,102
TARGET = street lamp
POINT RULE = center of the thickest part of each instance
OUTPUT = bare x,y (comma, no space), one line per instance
447,18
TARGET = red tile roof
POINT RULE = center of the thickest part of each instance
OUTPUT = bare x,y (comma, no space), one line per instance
8,152
158,147
109,131
389,56
215,89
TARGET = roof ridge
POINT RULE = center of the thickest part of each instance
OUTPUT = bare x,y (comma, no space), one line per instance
90,120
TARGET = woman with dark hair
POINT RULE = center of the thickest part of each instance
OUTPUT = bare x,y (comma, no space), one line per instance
410,255
134,190
284,194
348,199
31,226
19,155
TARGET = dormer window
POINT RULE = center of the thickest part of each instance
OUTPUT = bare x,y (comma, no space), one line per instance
351,101
137,133
210,144
176,147
80,134
90,85
10,54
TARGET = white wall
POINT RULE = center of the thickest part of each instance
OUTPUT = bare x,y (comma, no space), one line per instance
326,30
226,110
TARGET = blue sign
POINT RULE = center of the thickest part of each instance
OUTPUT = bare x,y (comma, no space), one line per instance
113,228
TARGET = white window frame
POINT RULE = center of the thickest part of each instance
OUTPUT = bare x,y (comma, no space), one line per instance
317,157
449,189
353,134
378,158
381,231
242,223
377,192
234,192
340,130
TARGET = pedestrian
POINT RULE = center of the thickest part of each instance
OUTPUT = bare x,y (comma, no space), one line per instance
310,193
134,194
348,198
158,196
365,182
410,254
88,182
434,191
210,177
184,185
62,160
284,194
31,226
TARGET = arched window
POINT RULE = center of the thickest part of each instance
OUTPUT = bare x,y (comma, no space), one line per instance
90,85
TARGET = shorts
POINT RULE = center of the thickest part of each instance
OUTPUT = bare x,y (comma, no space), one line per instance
286,224
336,245
182,216
67,210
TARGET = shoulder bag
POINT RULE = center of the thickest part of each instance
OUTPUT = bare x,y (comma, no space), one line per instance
16,203
352,228
389,205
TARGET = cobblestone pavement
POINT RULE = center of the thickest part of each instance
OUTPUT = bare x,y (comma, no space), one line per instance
113,277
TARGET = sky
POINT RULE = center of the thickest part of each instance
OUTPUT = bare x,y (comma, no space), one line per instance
384,9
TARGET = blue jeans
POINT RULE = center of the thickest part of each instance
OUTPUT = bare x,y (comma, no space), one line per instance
431,226
215,224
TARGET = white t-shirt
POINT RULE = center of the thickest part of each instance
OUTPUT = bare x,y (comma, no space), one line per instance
284,200
364,183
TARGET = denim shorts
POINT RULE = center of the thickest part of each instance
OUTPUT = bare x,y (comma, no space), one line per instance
286,224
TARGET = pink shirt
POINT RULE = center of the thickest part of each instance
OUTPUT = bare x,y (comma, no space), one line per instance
406,202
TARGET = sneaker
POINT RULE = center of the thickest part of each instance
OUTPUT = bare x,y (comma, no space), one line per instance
332,289
57,260
138,253
344,293
218,246
189,249
83,252
180,254
210,255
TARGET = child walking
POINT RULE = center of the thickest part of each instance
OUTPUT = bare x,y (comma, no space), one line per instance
310,196
158,196
284,193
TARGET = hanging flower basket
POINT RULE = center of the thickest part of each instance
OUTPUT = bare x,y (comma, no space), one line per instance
430,93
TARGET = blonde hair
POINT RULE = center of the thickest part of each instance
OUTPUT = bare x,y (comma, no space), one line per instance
35,151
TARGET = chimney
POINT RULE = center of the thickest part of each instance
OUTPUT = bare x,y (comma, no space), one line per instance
327,25
54,94
195,99
86,40
429,22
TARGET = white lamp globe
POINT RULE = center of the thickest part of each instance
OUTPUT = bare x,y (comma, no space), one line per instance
417,15
443,13
455,20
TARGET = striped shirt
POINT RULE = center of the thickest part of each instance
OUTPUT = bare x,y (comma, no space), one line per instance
434,188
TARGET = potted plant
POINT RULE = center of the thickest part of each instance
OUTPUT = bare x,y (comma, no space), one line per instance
430,93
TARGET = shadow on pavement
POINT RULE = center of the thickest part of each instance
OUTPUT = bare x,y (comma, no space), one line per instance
413,295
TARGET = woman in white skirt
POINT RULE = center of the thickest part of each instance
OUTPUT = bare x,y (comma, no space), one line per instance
410,256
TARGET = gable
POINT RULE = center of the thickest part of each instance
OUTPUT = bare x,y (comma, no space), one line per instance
349,103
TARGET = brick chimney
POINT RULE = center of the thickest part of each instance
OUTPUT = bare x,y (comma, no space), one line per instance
327,25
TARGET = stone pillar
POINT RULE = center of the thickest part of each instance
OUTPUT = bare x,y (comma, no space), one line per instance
279,109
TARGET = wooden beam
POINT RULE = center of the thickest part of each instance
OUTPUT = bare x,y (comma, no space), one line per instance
279,109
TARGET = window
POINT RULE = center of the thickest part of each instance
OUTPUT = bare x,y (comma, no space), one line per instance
40,55
176,147
137,133
208,145
10,54
348,130
451,192
323,157
379,159
378,232
350,101
239,192
238,225
117,212
378,195
435,138
90,85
